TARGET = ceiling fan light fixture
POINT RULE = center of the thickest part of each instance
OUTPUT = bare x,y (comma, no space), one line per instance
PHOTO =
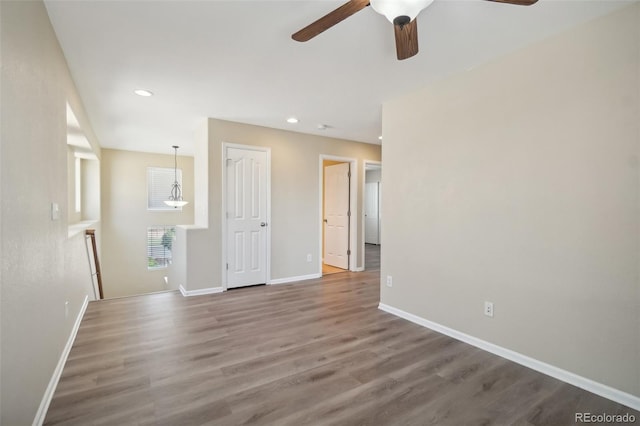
394,9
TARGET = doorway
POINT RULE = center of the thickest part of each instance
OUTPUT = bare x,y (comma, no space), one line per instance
246,215
372,214
337,177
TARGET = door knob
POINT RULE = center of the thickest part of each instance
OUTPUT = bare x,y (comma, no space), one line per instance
326,221
263,224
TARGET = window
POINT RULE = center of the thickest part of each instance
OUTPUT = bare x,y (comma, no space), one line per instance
159,244
78,182
159,183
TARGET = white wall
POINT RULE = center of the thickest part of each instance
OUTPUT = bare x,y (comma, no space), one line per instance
125,219
520,185
42,267
375,176
295,209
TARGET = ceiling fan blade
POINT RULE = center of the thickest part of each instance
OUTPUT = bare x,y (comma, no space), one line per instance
330,19
517,2
406,39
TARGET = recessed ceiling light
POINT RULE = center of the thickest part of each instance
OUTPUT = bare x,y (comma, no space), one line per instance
292,120
142,92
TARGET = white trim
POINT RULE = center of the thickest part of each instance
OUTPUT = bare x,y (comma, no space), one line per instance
223,206
354,195
80,227
200,291
603,390
55,378
293,279
136,295
358,269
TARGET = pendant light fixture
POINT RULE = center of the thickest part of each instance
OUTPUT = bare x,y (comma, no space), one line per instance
175,199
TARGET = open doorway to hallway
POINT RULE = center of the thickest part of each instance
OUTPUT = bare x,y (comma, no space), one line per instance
372,216
336,214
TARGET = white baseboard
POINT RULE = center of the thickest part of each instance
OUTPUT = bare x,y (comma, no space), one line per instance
358,269
200,292
603,390
55,378
298,278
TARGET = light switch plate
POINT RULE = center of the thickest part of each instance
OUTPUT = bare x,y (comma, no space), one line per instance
55,211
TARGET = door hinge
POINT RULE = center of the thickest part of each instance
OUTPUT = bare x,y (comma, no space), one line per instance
349,213
348,252
349,174
227,266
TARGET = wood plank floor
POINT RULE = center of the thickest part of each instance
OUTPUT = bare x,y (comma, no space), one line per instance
328,269
316,352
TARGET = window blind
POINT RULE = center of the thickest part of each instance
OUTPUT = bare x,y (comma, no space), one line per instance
159,183
160,241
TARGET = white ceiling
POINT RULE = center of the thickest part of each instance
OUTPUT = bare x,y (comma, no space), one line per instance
235,60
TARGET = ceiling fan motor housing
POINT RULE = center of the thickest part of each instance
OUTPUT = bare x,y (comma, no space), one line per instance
401,20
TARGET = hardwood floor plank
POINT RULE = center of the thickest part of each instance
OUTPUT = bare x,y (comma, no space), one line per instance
317,352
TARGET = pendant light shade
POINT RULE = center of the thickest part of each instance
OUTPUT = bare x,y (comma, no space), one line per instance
175,199
394,9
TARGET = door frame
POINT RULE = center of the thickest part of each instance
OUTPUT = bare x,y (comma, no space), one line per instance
353,208
223,206
364,182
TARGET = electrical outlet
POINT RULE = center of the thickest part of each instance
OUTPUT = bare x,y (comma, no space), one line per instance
309,257
389,281
488,309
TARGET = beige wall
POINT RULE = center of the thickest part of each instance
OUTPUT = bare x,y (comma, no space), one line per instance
521,186
42,267
201,175
90,188
295,208
125,219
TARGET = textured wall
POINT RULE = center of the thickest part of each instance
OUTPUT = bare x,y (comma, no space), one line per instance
42,267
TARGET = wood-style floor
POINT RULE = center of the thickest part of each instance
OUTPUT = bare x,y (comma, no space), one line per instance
311,353
329,269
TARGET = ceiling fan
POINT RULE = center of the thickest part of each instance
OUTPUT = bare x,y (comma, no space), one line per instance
401,13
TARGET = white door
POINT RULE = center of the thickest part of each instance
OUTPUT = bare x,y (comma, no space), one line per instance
246,217
371,213
336,215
